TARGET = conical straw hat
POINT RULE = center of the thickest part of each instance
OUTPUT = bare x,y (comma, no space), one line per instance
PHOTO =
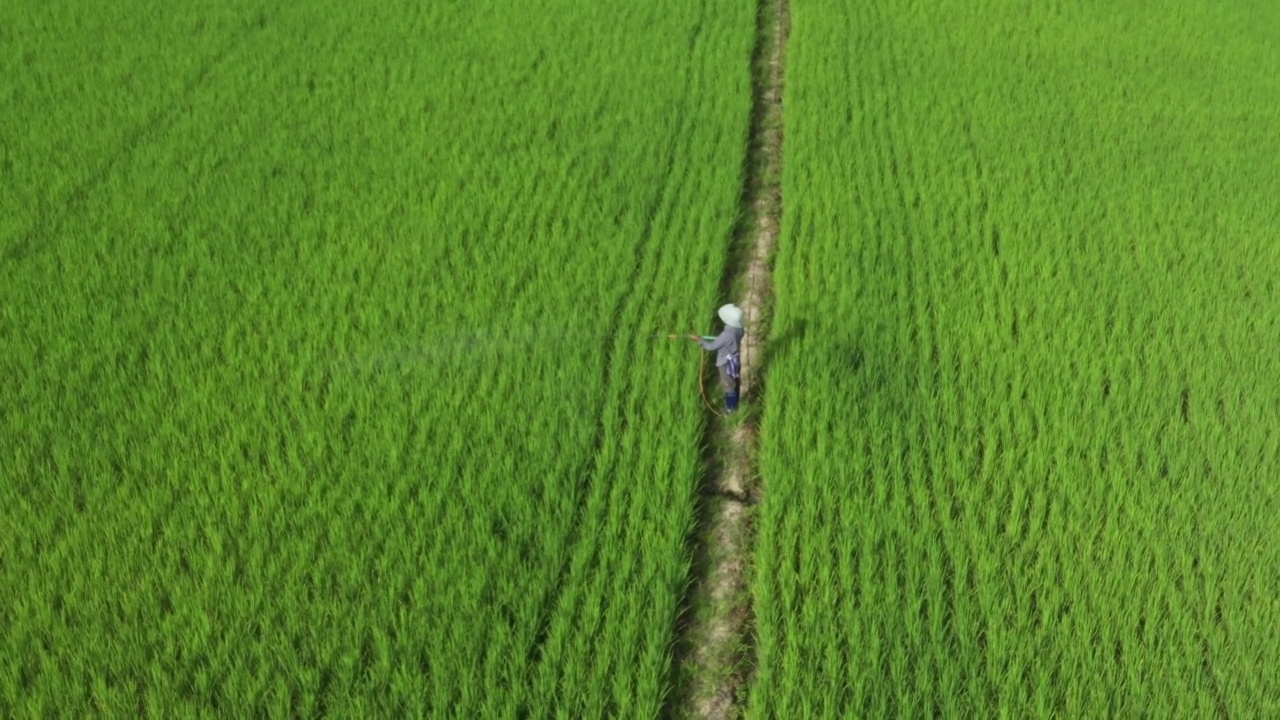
731,315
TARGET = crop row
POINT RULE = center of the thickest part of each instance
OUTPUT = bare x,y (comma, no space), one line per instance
1020,445
326,357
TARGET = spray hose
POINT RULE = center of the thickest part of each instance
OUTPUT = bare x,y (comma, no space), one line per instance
702,375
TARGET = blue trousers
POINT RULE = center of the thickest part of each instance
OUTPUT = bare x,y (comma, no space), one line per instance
730,386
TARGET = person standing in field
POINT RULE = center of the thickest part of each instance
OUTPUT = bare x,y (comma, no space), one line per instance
725,346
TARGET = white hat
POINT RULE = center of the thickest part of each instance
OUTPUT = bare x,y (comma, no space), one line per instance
731,315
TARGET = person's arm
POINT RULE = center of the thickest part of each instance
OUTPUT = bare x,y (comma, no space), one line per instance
715,343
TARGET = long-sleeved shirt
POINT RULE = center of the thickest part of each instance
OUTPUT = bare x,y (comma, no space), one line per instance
725,344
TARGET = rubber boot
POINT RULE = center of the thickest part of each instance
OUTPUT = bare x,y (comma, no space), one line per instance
731,402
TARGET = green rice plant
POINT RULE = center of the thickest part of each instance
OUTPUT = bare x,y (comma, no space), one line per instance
324,351
1017,444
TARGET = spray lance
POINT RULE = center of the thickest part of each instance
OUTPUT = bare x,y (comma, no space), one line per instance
689,337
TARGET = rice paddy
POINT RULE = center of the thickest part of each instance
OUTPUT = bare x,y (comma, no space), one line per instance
334,376
1020,442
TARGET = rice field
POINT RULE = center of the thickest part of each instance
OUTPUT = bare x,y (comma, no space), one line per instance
1020,444
334,380
327,377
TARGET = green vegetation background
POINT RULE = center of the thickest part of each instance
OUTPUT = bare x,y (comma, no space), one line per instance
324,384
1020,443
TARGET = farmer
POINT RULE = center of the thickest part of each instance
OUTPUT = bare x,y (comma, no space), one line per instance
725,345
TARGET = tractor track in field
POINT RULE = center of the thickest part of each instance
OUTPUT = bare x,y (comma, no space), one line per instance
715,652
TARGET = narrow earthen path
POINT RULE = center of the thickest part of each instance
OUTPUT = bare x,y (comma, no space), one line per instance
718,655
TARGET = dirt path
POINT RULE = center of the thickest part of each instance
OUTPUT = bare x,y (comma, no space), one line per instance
717,654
